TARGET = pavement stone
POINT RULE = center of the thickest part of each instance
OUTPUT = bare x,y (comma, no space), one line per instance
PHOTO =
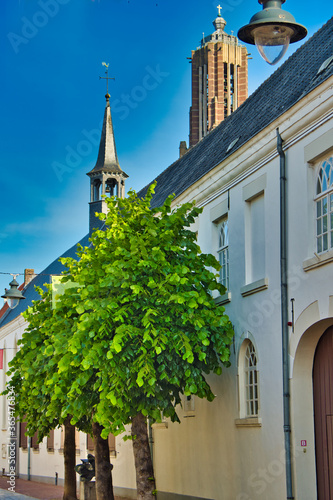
31,490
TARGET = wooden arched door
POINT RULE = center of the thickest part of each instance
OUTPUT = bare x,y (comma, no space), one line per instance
323,414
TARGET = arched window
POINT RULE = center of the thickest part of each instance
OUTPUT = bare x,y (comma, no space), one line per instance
248,379
251,381
223,252
324,206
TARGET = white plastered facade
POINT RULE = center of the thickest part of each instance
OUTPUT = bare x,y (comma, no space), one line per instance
217,452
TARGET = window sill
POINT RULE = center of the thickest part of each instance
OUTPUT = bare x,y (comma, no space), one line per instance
223,299
189,414
256,286
160,425
248,422
317,261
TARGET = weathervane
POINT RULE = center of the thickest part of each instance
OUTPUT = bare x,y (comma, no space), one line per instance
107,78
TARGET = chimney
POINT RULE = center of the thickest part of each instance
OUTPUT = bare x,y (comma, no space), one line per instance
182,148
29,275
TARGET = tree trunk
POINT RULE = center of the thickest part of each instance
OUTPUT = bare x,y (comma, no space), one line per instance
145,481
103,467
69,462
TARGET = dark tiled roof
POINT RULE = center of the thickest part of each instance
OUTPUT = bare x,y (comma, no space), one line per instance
44,277
290,82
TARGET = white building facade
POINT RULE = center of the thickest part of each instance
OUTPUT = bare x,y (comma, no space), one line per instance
234,447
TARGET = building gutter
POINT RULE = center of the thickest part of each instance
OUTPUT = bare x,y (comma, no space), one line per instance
284,314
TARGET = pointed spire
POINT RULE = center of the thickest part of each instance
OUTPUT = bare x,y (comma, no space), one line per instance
106,178
107,160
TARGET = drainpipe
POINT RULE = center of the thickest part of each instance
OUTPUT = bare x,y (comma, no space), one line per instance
151,441
284,315
29,457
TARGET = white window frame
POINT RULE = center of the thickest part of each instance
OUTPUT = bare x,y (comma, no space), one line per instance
223,252
218,215
324,207
249,399
251,383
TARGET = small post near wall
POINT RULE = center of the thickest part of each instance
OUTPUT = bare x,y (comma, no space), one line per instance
87,490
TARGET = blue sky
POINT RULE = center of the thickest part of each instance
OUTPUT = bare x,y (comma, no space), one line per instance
52,103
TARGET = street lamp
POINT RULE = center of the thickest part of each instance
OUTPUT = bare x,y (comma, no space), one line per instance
13,295
271,30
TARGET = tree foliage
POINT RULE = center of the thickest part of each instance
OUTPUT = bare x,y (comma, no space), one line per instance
140,329
145,328
30,371
35,366
31,365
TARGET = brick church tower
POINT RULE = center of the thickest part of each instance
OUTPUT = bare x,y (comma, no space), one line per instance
219,80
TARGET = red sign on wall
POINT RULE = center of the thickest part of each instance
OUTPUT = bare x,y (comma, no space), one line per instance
303,442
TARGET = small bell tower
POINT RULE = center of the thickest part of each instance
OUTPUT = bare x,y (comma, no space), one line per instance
106,178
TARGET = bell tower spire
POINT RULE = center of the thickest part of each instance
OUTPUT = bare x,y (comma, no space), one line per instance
106,178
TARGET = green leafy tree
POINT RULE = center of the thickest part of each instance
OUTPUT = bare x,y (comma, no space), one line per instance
34,373
145,326
28,373
139,330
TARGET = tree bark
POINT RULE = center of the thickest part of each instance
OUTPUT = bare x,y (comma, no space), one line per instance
103,467
145,481
69,462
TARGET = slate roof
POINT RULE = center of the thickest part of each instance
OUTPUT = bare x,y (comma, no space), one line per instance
291,82
30,293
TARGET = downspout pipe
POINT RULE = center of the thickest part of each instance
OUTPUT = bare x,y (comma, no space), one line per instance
151,441
29,458
284,314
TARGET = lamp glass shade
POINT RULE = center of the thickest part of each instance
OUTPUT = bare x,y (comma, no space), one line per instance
13,302
272,41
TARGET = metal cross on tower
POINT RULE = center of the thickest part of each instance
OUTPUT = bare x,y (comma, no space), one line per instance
107,78
219,8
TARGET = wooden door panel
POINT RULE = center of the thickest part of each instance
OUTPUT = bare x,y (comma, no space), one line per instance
323,414
329,427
